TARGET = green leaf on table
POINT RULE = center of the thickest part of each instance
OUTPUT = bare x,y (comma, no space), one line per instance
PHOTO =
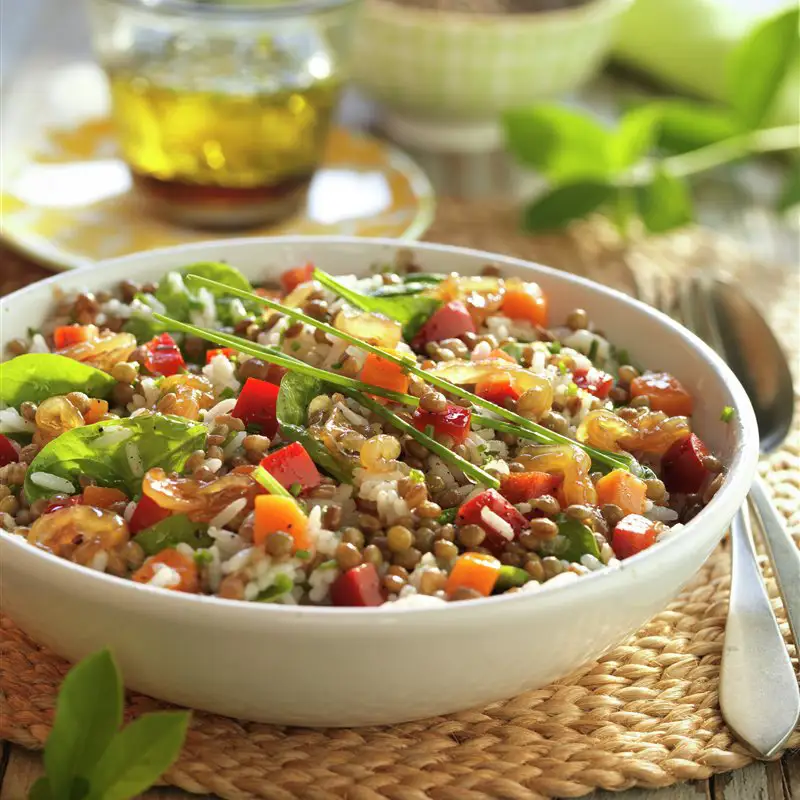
88,714
36,376
175,529
790,193
412,311
139,755
561,143
664,203
635,136
686,125
116,452
562,205
759,65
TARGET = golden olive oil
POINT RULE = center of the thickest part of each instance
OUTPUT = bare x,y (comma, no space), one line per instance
219,157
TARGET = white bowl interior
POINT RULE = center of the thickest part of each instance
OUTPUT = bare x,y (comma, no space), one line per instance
345,666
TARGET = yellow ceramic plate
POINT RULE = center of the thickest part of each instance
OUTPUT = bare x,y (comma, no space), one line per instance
70,202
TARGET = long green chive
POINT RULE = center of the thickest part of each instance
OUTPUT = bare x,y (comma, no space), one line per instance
284,360
270,484
448,456
549,436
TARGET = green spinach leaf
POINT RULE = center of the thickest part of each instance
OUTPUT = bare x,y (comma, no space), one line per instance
95,451
88,714
173,530
295,395
410,310
578,539
37,376
138,755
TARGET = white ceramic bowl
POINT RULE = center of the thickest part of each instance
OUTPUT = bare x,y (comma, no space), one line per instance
343,667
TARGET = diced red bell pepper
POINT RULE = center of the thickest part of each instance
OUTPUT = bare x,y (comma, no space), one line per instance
146,514
454,422
682,467
594,380
8,451
294,277
471,513
497,389
633,534
448,322
228,352
292,466
519,487
64,502
360,586
66,335
257,406
163,357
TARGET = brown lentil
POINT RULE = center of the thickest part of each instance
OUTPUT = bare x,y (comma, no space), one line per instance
256,443
295,329
348,556
612,514
656,491
627,373
279,544
423,539
547,504
429,510
393,583
577,319
399,538
317,309
332,517
407,558
618,395
369,523
446,532
253,368
373,555
544,528
470,536
445,550
432,581
579,512
464,593
713,487
533,566
640,401
554,421
433,401
712,463
552,566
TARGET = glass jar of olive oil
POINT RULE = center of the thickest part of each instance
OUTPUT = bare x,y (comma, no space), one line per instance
222,107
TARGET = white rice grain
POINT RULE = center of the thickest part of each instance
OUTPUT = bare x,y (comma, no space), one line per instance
99,561
11,421
135,463
223,407
52,482
226,543
234,444
164,577
497,523
591,562
228,513
221,373
38,344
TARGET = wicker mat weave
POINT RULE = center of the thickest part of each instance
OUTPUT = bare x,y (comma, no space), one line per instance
644,715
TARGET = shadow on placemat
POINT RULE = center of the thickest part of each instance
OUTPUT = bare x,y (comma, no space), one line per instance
646,714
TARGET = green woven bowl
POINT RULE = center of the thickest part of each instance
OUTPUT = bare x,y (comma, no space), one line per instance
430,67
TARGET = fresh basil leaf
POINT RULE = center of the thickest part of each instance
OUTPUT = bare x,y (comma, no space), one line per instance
562,205
283,585
320,455
36,376
578,539
411,311
635,136
230,276
88,714
664,203
295,396
790,194
41,790
139,755
563,144
759,66
173,530
157,440
686,125
509,577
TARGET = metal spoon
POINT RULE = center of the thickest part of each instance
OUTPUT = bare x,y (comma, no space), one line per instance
759,696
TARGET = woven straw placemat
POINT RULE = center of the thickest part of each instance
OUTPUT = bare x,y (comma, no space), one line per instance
644,715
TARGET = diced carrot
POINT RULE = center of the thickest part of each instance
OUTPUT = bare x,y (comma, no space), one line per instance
103,496
174,559
96,411
498,353
474,571
528,304
66,335
378,371
664,392
622,489
277,513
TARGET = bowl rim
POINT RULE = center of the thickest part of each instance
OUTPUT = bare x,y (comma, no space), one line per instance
742,468
401,15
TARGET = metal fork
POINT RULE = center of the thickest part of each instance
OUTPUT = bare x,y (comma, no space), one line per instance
758,691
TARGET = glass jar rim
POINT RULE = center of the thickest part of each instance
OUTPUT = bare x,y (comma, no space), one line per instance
223,10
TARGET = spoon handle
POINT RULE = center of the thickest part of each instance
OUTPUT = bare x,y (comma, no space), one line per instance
758,690
783,552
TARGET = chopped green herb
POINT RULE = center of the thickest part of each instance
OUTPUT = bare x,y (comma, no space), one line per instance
623,357
555,348
337,365
514,349
283,585
296,488
572,389
562,367
303,555
447,516
227,393
429,431
203,557
593,350
295,346
330,564
253,427
727,414
416,476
